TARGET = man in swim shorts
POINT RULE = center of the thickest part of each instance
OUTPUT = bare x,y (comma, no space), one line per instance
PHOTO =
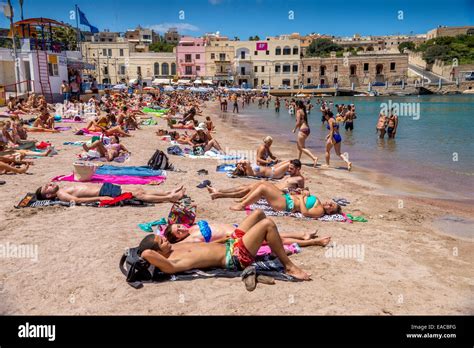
237,253
93,193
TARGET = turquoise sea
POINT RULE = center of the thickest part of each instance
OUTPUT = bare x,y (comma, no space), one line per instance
433,147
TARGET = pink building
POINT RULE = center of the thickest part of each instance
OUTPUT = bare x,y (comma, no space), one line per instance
191,57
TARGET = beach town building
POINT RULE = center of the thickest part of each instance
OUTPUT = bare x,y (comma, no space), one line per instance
141,38
147,67
172,36
377,44
191,58
271,62
356,70
219,59
450,31
105,36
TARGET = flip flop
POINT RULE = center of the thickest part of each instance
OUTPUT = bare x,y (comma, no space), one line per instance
202,172
249,278
204,184
265,279
2,182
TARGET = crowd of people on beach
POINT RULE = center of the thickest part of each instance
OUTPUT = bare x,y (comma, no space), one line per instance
112,117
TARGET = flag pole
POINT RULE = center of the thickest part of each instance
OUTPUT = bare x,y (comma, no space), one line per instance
78,30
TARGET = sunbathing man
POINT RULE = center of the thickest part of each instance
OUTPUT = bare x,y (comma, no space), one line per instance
6,168
237,253
44,120
110,151
292,182
215,232
305,203
93,193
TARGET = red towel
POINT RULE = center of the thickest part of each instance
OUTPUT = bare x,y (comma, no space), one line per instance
122,197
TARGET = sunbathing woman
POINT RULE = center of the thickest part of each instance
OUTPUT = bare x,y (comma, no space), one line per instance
306,204
110,151
203,231
43,122
6,168
245,168
204,140
102,125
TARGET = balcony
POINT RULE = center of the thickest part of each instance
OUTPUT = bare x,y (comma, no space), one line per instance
220,61
187,62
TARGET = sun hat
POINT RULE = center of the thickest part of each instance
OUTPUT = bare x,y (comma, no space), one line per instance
201,126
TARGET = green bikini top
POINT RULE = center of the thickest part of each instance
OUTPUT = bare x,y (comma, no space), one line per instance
310,201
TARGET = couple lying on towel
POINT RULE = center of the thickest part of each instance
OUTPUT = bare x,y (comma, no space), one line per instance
234,253
206,232
93,193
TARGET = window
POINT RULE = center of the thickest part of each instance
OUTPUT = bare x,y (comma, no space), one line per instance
295,67
263,69
139,70
263,82
188,70
122,70
213,56
104,51
165,69
173,69
335,80
53,69
286,68
121,52
106,70
242,70
255,53
255,69
222,57
187,58
222,69
309,68
322,70
278,51
379,69
242,55
277,68
156,69
353,69
198,68
392,66
110,52
286,51
267,53
198,56
308,81
335,68
366,66
295,50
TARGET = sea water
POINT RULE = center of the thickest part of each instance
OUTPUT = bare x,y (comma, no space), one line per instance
433,147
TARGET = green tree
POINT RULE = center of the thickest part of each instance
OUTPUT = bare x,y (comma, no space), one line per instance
67,36
436,52
254,38
161,47
322,47
406,44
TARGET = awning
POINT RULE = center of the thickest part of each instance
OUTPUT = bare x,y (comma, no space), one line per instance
207,82
184,82
161,82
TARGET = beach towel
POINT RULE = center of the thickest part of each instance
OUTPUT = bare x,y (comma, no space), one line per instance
142,171
75,143
66,120
215,155
62,129
30,201
268,210
149,122
116,179
86,132
138,271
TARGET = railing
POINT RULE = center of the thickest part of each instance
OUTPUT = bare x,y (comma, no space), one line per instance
21,87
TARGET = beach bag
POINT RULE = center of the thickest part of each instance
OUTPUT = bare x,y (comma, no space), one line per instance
198,151
136,269
83,171
159,161
182,212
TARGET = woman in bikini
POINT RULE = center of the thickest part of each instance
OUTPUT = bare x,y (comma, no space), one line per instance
245,168
304,203
381,125
333,139
304,131
111,151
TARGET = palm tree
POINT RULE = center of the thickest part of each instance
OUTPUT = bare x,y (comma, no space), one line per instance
67,36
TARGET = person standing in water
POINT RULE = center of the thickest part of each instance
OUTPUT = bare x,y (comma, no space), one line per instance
334,139
304,131
349,118
277,104
392,125
381,125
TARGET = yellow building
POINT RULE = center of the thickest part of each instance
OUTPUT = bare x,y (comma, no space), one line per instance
219,59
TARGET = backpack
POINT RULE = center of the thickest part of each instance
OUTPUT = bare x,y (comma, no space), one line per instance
159,161
137,270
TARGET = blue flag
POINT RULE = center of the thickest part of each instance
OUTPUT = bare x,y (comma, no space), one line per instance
83,20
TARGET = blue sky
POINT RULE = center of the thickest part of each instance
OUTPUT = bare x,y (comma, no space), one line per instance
243,18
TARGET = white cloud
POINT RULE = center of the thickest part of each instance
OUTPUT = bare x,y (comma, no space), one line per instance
163,27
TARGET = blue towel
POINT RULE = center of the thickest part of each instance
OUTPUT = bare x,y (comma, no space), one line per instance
133,171
224,168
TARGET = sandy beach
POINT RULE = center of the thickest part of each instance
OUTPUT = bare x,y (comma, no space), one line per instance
407,266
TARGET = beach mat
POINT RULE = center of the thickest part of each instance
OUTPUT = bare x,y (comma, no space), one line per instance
263,205
129,170
138,271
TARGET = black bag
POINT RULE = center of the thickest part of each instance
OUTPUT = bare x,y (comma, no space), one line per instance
136,269
159,160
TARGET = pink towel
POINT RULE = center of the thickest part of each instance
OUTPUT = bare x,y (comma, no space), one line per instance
292,248
115,179
66,120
